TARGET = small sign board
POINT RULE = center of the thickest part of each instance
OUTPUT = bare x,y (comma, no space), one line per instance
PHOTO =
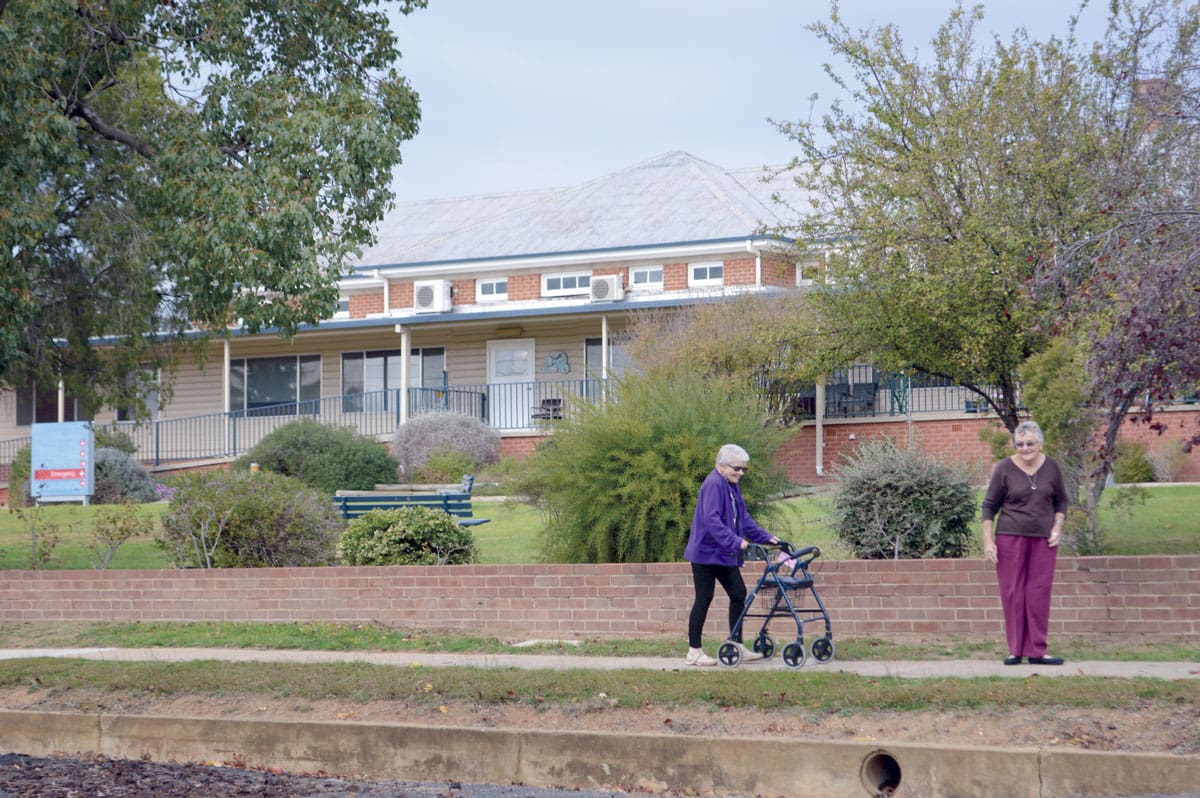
63,462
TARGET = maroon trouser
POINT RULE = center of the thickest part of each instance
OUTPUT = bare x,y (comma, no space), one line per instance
1025,568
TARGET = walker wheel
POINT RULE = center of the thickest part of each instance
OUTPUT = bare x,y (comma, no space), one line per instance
822,649
765,644
729,654
793,655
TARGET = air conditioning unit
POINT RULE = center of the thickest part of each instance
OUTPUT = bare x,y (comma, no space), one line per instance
432,296
607,288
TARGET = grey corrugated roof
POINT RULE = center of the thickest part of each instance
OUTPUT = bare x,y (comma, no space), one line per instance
674,198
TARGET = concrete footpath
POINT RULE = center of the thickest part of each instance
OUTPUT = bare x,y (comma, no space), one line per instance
725,766
902,669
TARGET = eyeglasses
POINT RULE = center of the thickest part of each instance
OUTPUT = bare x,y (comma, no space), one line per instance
739,469
1026,444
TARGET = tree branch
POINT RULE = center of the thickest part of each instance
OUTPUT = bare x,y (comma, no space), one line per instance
88,114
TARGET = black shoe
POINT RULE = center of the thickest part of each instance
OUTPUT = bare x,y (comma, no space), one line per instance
1012,659
1045,661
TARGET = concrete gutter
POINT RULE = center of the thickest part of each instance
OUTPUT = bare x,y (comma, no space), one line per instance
584,760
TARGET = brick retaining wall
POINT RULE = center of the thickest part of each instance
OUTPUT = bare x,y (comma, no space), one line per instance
1095,597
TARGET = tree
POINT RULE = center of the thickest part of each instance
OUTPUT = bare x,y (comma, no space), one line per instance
175,167
1131,290
937,192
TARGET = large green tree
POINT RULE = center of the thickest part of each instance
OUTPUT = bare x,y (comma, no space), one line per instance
937,186
176,166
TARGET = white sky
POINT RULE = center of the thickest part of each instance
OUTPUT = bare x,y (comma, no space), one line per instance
523,94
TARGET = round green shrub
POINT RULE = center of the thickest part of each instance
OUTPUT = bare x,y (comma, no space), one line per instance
1131,463
120,479
446,465
237,519
894,503
325,457
417,440
406,536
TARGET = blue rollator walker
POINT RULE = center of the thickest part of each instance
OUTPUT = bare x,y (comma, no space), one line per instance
787,575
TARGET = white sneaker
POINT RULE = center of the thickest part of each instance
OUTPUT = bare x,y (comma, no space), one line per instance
696,656
748,655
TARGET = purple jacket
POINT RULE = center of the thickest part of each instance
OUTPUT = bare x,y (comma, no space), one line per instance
720,523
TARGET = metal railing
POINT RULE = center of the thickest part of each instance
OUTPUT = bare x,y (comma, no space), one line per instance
504,406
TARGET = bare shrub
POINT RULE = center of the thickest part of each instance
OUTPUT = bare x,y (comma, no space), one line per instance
420,437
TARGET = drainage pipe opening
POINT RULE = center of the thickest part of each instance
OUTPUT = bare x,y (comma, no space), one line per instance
880,773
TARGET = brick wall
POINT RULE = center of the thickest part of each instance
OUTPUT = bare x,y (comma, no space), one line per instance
1095,598
957,440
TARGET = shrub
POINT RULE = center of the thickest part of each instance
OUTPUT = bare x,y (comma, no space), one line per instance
324,457
617,482
894,503
120,479
113,526
222,519
420,437
1167,461
18,477
1131,463
446,465
114,439
406,536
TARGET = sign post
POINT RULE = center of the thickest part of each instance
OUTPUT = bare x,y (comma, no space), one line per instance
63,462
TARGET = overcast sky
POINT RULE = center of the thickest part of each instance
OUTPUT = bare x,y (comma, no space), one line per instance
523,94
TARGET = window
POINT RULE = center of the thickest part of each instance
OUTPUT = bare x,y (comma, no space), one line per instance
428,367
368,379
566,284
40,406
343,308
706,274
147,384
491,290
272,386
593,358
647,278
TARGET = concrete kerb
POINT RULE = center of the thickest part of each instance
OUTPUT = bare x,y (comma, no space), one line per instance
584,760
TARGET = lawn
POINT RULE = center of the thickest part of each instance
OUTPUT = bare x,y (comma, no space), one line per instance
1167,522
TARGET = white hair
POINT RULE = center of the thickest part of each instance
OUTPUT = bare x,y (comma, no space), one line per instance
731,452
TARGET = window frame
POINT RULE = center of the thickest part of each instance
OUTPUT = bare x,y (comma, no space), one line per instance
582,283
649,284
497,296
707,281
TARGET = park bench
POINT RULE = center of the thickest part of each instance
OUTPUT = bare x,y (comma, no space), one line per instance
455,501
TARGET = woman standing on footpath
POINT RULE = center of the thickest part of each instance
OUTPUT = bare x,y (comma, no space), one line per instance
1028,493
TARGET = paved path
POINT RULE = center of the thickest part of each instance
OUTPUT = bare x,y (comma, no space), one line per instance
900,669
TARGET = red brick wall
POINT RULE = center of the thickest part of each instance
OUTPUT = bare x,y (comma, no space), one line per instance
361,305
400,294
778,273
956,440
1094,598
523,287
675,276
464,291
740,271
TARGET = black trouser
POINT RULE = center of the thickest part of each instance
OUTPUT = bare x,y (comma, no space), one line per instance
705,578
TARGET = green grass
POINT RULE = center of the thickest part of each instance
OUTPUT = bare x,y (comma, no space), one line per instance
812,692
1168,522
370,637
